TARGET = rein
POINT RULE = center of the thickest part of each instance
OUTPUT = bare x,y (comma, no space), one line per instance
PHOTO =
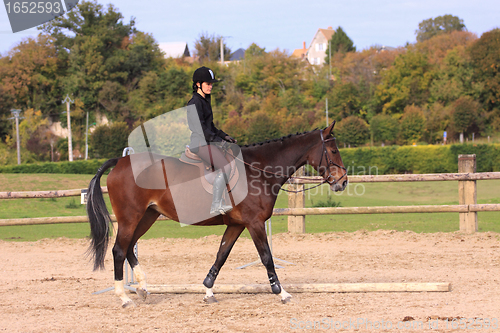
325,180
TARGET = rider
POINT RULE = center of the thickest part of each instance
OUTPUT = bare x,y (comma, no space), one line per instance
207,141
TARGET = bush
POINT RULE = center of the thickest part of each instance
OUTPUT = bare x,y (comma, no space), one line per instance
412,124
352,131
420,159
384,128
89,167
109,141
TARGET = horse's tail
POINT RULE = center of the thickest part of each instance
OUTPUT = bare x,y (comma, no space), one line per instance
98,216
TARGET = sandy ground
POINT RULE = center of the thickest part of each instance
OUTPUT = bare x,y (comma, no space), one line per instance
47,286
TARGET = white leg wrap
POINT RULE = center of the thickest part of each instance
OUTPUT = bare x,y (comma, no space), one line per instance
140,276
284,295
209,293
120,292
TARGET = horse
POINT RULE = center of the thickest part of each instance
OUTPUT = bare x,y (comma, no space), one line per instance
268,166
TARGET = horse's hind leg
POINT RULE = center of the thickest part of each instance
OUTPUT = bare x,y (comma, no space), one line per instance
123,239
144,224
259,237
230,236
128,234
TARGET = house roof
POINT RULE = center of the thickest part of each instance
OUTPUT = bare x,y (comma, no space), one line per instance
238,54
175,49
299,53
328,33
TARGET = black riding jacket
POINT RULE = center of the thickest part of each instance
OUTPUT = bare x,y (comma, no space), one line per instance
201,136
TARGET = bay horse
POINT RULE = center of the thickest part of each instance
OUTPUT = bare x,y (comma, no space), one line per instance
268,166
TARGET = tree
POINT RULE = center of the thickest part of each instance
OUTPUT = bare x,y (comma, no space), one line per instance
485,58
406,82
384,128
412,124
28,76
465,115
96,49
454,77
208,48
352,131
107,141
439,25
344,100
339,42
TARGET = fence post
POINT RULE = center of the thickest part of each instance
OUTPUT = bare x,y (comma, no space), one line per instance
296,223
467,194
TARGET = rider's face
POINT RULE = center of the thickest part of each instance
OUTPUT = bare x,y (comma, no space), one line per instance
206,87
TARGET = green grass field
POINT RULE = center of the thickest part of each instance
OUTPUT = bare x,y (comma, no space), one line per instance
369,194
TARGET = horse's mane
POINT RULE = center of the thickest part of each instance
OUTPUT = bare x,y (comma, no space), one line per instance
283,138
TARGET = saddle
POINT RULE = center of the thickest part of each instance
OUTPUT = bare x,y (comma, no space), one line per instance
207,174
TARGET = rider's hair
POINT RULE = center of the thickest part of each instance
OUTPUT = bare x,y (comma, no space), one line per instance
195,87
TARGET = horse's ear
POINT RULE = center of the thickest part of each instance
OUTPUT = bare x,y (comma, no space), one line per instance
329,129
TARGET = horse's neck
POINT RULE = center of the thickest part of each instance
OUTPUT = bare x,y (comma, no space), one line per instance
285,157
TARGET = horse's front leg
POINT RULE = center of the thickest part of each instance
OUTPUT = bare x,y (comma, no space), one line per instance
230,236
259,237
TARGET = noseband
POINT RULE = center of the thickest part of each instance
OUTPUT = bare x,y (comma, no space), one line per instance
329,162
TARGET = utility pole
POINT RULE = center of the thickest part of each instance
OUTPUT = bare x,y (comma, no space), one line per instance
68,100
16,112
221,50
326,111
87,138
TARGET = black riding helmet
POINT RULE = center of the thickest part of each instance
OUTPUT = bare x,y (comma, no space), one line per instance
204,74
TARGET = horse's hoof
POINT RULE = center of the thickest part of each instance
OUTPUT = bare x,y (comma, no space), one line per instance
143,293
128,304
286,300
210,300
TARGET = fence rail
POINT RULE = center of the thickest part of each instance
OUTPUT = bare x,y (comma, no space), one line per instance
467,207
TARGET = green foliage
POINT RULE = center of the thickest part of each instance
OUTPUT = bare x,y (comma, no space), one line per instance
208,48
439,25
112,69
76,167
109,141
352,131
465,115
406,82
412,125
384,128
101,57
262,127
339,43
485,59
419,159
329,202
343,101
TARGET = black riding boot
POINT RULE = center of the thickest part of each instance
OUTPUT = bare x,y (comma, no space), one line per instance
218,206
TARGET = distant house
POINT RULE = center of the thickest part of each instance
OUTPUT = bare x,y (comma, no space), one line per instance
300,53
385,48
175,50
239,54
316,52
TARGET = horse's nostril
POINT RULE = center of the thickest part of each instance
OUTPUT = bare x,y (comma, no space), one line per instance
344,184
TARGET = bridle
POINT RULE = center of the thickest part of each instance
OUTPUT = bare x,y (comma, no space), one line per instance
324,154
329,162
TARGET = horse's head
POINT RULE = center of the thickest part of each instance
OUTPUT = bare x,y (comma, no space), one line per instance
327,160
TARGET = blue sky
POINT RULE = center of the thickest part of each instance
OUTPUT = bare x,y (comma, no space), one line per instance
286,24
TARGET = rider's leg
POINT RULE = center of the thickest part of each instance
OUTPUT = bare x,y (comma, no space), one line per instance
214,156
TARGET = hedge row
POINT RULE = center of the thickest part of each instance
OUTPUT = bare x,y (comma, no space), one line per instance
419,159
362,161
76,167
